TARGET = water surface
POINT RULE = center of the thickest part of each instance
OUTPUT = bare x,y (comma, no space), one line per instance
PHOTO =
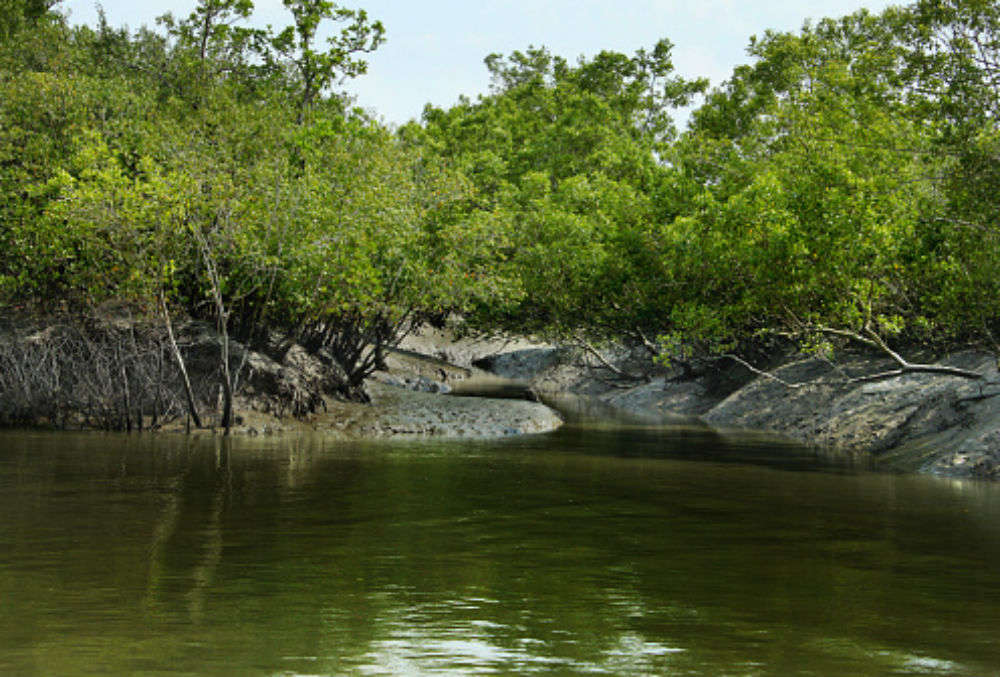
594,550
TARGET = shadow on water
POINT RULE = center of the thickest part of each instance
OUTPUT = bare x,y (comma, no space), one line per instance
594,427
703,444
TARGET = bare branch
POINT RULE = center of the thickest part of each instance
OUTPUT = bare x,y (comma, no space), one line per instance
873,340
844,333
761,372
897,358
591,350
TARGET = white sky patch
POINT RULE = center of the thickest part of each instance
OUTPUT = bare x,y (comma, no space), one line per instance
435,49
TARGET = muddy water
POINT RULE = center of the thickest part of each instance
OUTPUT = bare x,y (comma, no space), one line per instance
599,549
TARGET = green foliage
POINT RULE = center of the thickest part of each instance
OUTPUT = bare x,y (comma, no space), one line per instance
22,15
195,178
846,177
567,156
841,179
314,71
826,194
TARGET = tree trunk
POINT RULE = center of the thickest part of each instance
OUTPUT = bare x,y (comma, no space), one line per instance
188,393
227,378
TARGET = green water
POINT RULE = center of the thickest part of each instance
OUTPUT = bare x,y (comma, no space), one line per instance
590,551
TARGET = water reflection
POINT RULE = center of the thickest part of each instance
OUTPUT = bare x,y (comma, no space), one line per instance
604,551
592,412
484,647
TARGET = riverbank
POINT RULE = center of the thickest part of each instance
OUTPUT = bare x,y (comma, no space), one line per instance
66,376
112,373
925,422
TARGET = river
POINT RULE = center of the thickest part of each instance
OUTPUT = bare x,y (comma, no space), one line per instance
599,549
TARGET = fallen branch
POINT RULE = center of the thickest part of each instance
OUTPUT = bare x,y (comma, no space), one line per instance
590,349
905,367
876,342
650,346
844,333
761,372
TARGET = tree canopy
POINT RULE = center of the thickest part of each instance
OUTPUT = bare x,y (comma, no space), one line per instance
846,177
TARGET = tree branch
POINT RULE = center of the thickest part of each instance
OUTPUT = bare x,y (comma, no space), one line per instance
761,372
590,349
905,367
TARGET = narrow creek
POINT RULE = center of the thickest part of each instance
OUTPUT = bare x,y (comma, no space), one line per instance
603,548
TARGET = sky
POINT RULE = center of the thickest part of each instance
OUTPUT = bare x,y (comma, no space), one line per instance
434,49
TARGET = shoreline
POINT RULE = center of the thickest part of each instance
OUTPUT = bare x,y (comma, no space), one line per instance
921,422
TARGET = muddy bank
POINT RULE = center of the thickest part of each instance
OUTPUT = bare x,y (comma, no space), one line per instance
397,412
919,422
111,373
114,375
